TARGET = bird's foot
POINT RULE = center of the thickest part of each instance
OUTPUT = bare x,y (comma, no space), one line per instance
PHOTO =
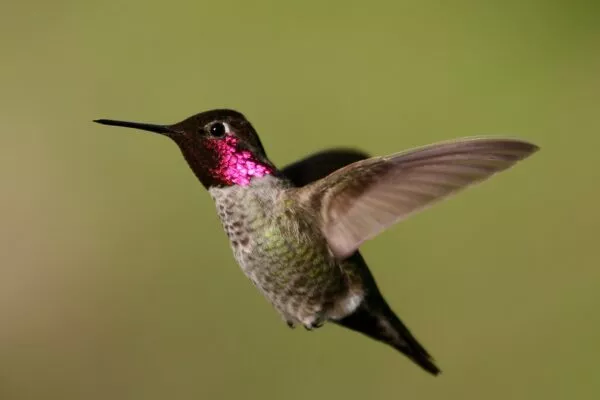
316,323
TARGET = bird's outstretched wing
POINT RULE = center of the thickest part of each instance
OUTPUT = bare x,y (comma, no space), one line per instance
362,199
319,165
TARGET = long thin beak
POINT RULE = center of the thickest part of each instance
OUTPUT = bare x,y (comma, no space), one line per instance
162,129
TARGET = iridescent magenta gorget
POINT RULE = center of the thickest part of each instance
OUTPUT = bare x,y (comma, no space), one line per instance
234,164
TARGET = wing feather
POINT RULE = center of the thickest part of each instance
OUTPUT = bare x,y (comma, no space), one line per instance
362,199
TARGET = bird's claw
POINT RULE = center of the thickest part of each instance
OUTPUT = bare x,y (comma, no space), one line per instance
317,323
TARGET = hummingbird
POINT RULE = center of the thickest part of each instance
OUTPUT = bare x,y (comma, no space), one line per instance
296,231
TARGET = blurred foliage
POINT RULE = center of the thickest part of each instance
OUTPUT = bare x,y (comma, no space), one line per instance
117,282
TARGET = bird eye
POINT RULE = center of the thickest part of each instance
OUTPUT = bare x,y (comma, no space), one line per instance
218,129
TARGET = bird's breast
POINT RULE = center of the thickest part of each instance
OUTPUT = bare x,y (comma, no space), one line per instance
278,245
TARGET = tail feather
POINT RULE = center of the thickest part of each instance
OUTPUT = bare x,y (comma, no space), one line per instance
384,326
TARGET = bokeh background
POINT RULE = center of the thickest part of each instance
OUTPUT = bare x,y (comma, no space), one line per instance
117,282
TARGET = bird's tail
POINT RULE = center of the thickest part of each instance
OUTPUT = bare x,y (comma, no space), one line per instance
383,325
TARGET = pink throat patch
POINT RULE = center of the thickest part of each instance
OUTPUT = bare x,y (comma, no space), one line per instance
237,166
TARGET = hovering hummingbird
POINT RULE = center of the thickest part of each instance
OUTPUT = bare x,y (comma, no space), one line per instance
295,232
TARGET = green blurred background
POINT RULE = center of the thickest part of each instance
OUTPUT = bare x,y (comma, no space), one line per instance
116,281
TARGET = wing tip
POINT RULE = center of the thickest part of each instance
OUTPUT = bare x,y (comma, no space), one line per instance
521,145
517,148
530,147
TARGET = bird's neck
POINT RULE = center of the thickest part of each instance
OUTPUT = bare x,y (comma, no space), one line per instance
224,163
238,166
261,195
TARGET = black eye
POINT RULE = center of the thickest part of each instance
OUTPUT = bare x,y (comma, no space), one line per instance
217,129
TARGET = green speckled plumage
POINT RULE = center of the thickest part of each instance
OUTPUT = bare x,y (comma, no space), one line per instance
280,247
